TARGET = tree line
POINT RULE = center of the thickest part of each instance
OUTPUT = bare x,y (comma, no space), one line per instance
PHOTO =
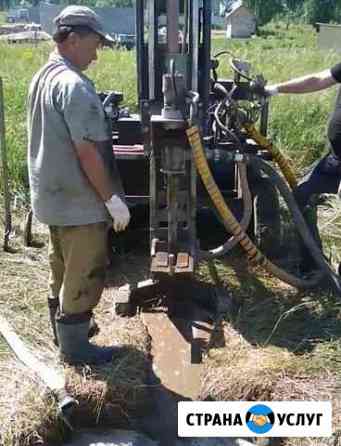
308,11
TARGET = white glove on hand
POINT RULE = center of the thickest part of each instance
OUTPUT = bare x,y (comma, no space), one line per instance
119,212
271,90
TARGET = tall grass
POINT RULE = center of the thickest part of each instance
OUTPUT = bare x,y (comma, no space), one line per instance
297,123
113,71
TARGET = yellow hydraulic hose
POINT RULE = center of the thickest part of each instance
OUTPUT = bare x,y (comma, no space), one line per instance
230,222
244,222
277,155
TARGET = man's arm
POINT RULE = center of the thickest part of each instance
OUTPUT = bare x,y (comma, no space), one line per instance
93,167
84,116
305,84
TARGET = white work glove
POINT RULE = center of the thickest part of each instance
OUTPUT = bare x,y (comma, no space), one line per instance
271,90
119,212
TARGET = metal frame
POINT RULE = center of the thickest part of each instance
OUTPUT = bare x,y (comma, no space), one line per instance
194,43
152,41
172,228
140,50
206,56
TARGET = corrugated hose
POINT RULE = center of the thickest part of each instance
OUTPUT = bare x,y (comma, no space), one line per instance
230,222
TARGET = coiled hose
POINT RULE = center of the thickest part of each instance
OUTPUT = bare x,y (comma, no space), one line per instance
244,223
277,155
253,253
288,173
301,224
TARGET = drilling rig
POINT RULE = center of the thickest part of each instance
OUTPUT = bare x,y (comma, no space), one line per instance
199,143
154,155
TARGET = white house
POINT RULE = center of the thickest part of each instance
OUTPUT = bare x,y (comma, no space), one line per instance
329,36
240,21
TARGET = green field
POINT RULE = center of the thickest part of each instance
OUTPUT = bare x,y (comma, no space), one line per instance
297,123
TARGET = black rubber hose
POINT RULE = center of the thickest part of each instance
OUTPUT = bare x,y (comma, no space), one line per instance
231,223
300,222
244,223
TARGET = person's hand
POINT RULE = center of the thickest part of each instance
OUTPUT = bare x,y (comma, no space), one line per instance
119,212
263,90
271,90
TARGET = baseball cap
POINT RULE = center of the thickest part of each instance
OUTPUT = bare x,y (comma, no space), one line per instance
75,15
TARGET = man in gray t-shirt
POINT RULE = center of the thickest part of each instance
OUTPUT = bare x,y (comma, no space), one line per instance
75,186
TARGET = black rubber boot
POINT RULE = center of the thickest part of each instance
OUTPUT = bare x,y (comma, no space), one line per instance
53,305
74,346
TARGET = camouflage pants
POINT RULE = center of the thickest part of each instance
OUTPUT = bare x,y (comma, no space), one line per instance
77,257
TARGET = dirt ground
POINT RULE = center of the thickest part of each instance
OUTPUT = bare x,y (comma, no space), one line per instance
276,343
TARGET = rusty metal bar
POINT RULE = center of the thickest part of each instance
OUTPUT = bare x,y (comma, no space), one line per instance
4,172
172,205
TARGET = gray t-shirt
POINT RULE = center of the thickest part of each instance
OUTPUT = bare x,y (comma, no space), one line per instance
63,109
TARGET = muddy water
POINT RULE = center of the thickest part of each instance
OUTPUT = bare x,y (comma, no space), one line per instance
179,329
179,337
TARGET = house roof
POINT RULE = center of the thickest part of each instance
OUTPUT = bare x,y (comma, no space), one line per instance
26,36
234,8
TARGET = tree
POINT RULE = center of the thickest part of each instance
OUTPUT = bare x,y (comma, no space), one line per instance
319,10
292,9
122,3
4,4
293,5
264,10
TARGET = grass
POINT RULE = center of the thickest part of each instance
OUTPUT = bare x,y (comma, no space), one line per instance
276,344
277,53
19,63
110,395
